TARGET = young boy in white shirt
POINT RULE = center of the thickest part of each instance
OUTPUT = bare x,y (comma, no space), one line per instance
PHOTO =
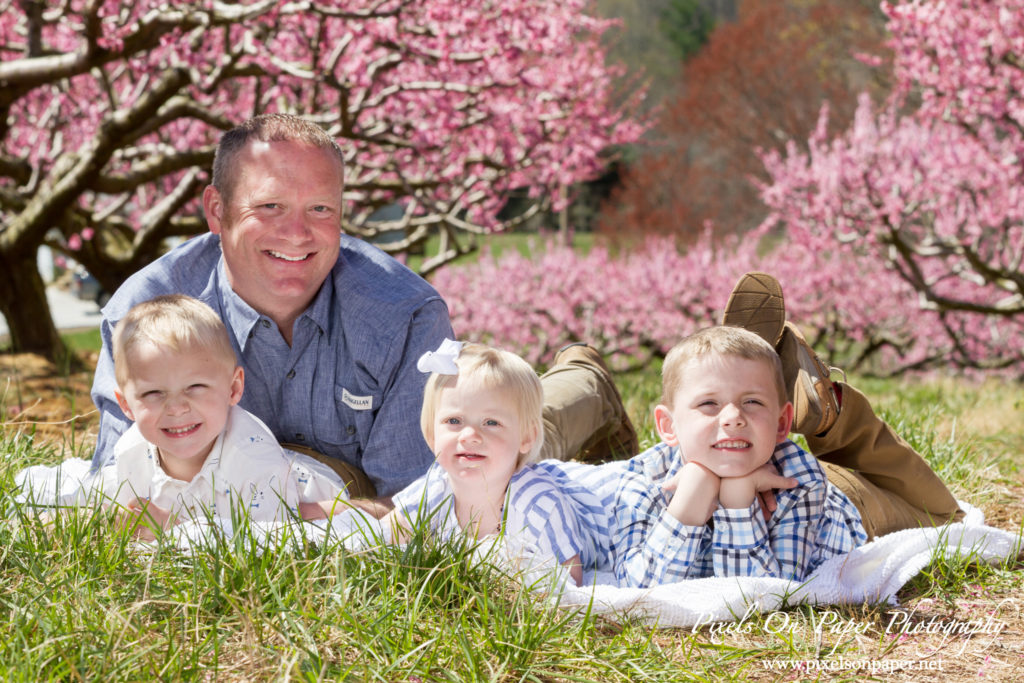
191,448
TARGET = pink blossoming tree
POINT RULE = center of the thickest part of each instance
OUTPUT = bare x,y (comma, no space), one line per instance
920,203
901,241
110,110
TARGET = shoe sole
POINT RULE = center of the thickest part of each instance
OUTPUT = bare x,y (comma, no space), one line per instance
756,304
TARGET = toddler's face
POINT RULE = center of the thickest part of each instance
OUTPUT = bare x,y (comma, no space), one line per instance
478,435
726,415
179,400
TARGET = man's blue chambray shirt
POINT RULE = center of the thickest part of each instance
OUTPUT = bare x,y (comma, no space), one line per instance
812,522
347,386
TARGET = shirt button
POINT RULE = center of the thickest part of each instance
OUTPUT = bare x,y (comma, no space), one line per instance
291,374
252,333
264,322
351,430
300,437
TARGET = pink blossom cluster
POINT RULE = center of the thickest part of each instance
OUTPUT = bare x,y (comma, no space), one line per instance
964,57
923,207
443,105
632,306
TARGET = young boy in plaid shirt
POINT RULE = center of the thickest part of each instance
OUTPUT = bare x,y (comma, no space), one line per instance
724,422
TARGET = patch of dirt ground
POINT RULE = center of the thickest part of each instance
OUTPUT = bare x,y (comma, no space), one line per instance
36,398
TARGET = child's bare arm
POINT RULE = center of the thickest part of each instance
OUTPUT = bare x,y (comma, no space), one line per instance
737,493
696,494
575,569
142,518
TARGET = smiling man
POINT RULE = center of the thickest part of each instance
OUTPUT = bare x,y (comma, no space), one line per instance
327,327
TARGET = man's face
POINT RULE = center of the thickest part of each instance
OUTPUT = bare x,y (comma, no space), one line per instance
280,227
726,415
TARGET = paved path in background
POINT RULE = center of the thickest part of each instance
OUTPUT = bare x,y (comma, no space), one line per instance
68,311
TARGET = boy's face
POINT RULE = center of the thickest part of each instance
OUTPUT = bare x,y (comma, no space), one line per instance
726,415
180,401
478,436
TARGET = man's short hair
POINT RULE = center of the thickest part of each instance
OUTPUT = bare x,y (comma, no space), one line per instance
265,128
723,341
175,322
492,369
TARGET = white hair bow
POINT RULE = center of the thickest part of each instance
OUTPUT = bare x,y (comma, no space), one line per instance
441,361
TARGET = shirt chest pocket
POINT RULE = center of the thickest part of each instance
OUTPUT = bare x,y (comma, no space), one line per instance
354,413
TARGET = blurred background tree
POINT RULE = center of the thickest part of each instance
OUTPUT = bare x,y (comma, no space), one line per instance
110,110
758,81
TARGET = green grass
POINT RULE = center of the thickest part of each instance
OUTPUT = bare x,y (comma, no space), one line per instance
79,601
77,341
82,341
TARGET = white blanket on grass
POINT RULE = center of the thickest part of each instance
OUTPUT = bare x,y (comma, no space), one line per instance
72,484
873,573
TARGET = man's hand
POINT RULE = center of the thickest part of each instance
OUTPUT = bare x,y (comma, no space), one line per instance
375,507
737,493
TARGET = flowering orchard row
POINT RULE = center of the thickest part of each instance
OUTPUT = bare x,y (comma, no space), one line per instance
634,306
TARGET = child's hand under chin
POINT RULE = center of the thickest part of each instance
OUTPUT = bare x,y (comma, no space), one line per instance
739,492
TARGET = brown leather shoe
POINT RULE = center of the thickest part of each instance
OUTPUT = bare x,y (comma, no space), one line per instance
815,403
756,304
618,439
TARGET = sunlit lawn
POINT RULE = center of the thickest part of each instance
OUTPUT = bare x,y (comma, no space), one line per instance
79,601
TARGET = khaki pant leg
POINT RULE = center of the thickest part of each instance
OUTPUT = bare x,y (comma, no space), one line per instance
357,483
862,442
881,511
578,403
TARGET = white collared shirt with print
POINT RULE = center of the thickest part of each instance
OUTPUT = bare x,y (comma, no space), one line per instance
246,468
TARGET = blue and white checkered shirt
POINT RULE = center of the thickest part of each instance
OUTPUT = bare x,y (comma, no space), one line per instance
813,522
537,513
347,387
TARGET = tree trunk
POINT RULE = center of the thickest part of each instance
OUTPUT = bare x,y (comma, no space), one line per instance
23,303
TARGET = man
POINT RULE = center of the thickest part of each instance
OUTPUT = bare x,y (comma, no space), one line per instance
328,328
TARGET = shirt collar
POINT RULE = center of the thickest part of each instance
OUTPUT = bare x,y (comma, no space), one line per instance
162,480
319,312
241,317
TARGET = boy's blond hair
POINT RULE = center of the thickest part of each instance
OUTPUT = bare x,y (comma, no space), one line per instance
172,321
492,369
723,341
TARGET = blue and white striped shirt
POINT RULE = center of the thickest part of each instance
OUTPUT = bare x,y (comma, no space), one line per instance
537,514
347,386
